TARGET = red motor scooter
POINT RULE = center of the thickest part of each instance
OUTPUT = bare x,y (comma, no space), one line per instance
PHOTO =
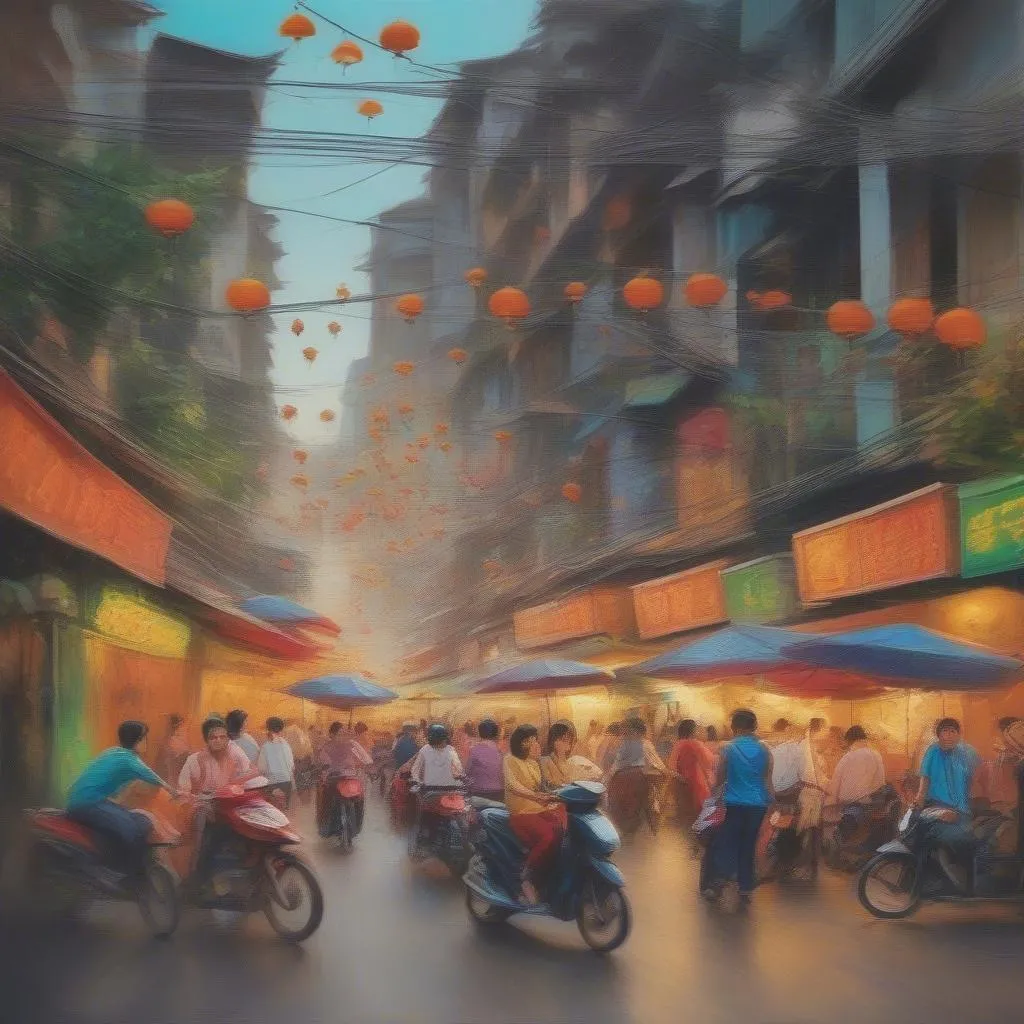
243,864
402,800
340,806
441,828
65,860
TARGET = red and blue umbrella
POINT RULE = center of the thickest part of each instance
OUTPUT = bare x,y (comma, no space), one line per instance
343,692
906,655
284,612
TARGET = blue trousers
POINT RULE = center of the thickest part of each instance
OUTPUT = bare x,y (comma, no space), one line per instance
127,830
735,845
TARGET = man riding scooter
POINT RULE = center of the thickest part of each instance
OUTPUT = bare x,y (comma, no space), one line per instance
947,772
92,798
340,757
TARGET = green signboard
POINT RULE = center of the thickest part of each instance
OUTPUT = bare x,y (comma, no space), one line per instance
761,591
991,525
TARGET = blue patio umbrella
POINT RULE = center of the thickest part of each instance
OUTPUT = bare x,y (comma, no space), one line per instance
284,612
910,656
343,692
733,651
544,676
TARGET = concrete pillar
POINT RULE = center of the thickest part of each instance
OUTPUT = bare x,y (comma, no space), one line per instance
875,237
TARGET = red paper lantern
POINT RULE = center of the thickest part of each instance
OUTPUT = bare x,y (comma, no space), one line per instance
171,217
575,291
850,319
502,436
476,276
572,492
403,368
643,293
703,290
326,415
458,355
399,37
410,306
298,327
289,412
370,109
911,317
961,329
309,354
297,27
510,305
347,53
247,295
300,456
775,300
334,328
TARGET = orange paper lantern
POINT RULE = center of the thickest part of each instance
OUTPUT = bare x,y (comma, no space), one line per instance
405,409
643,293
171,217
404,368
289,412
572,492
370,109
704,290
440,428
458,355
297,27
326,415
334,328
424,441
775,300
347,53
502,436
574,291
850,319
399,37
911,317
301,481
961,329
445,446
476,276
309,354
247,295
509,304
300,456
298,327
342,293
410,306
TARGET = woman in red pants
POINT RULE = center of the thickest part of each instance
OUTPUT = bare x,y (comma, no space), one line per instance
536,817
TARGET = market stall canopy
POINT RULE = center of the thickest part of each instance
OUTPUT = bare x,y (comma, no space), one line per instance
284,612
733,651
542,676
905,655
761,652
343,692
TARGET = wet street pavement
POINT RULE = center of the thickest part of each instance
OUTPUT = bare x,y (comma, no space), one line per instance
398,946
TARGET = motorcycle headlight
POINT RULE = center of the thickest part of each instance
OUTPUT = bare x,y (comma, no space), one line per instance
263,817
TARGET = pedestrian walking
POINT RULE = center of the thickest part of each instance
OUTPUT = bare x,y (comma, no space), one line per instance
745,783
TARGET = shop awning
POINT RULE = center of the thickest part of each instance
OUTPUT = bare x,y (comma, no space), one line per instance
655,390
283,611
543,675
905,655
48,479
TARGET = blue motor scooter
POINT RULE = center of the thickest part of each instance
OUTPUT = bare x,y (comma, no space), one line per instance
584,886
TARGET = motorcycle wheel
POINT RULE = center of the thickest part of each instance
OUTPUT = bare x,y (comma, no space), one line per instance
604,917
344,830
302,891
159,901
887,897
483,912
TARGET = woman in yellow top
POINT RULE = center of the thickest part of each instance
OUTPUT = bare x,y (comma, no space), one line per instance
534,819
560,766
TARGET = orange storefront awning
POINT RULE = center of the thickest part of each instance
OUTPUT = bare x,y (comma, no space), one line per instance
48,479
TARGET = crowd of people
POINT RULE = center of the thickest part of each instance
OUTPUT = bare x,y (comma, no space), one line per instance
740,777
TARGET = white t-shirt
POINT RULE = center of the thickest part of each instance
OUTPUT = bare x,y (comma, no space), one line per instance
860,772
433,767
276,760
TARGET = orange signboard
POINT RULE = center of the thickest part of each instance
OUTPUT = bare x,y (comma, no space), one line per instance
686,600
907,540
601,610
50,480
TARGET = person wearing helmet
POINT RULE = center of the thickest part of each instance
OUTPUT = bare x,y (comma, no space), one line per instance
406,747
437,765
91,799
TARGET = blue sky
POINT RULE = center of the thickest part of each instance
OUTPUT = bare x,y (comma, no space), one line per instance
321,254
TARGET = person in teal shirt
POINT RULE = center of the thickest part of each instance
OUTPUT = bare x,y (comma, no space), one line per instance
947,774
91,797
745,787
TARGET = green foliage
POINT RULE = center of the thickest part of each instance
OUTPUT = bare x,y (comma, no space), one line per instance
981,418
164,403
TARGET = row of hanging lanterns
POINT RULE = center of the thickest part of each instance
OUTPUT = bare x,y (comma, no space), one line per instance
961,328
398,37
